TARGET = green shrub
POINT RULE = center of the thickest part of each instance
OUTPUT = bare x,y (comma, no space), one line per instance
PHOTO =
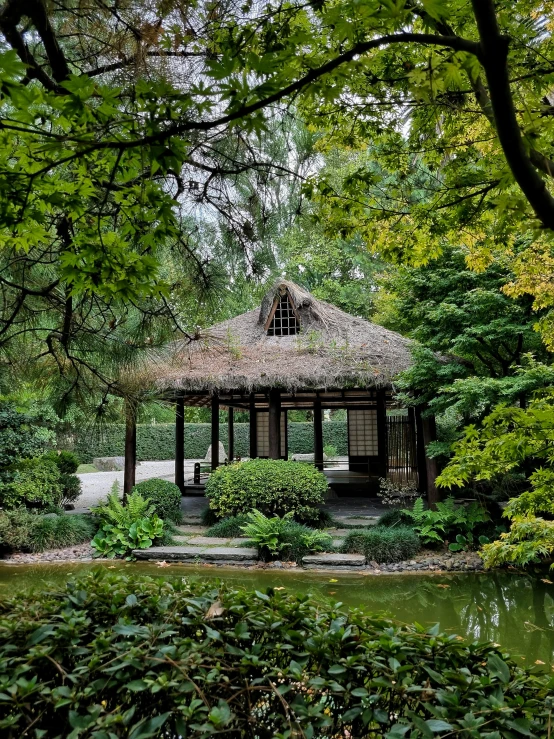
125,527
23,531
16,528
165,496
228,527
273,486
137,657
282,537
57,532
34,482
71,488
394,517
67,462
382,544
448,521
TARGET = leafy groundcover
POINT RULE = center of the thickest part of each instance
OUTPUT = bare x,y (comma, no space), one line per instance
116,656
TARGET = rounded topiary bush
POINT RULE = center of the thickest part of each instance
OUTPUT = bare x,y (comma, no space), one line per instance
272,486
382,544
165,496
114,656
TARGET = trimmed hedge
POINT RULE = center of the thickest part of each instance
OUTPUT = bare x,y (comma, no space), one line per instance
158,441
112,656
164,495
273,486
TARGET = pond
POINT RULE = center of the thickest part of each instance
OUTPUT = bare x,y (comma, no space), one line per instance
515,611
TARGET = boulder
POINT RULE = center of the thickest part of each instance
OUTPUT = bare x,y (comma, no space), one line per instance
222,454
109,464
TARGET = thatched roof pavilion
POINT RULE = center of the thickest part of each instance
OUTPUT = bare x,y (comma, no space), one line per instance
296,351
323,347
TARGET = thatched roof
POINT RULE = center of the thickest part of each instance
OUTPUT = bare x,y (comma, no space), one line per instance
333,350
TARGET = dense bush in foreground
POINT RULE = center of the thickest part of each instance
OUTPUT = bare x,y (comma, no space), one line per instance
273,486
112,656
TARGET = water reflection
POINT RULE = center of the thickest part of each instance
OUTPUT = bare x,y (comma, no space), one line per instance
516,611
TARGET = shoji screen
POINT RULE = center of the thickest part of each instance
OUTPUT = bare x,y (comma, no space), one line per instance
362,433
262,425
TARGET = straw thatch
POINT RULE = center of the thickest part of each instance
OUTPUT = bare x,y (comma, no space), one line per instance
333,350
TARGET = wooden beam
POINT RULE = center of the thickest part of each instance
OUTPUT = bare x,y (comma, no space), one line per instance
318,435
382,434
274,424
253,428
215,431
130,448
230,435
180,444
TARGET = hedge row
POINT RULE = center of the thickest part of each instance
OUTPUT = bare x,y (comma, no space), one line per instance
158,441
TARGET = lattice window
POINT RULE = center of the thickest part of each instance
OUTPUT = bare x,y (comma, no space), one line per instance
284,321
362,433
262,428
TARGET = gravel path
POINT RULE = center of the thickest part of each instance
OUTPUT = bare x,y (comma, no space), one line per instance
96,485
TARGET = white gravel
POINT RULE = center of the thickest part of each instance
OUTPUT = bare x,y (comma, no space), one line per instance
97,485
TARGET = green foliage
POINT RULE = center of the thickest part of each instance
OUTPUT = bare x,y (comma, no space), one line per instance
282,537
21,530
273,486
125,527
383,544
230,527
165,496
34,482
67,462
330,451
20,436
71,487
157,441
57,532
447,521
337,671
266,533
394,517
529,540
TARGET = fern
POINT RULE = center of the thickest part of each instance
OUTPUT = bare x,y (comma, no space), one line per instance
114,512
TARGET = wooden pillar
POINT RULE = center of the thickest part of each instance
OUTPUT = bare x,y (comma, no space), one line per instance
253,428
231,435
318,435
274,424
382,434
180,444
130,448
420,452
215,431
427,432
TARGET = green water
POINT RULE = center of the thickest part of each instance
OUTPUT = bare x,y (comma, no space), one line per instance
516,611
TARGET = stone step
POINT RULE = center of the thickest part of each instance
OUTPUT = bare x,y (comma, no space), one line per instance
192,530
192,518
363,522
210,541
334,561
213,555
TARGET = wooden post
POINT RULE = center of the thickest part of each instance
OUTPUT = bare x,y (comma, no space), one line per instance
253,428
274,424
130,448
318,435
231,434
382,434
180,444
420,452
215,431
429,435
